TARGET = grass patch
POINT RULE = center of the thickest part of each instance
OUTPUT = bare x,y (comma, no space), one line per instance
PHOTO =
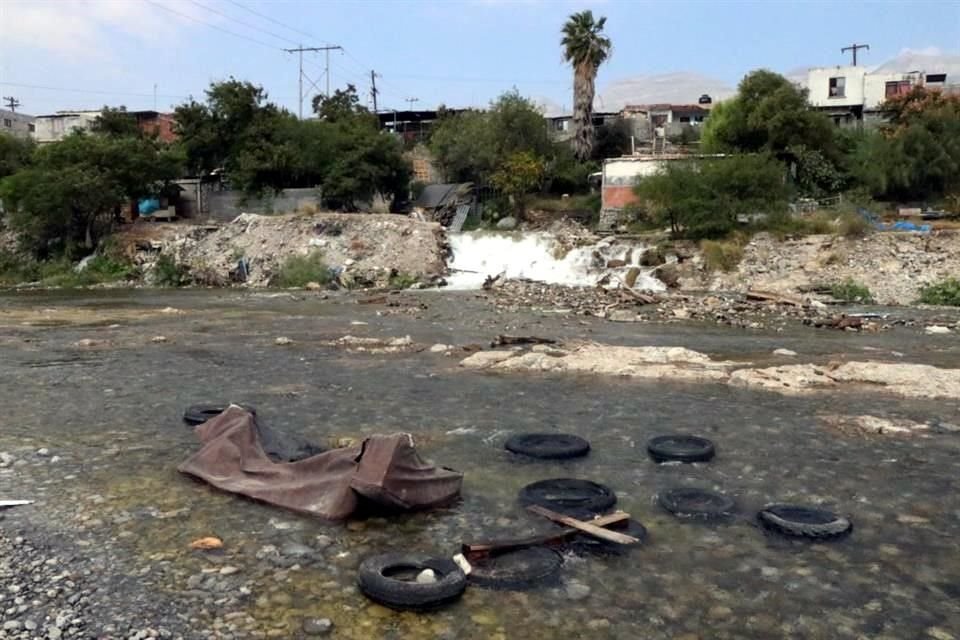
298,271
61,272
784,225
721,255
169,273
851,291
945,293
403,280
581,203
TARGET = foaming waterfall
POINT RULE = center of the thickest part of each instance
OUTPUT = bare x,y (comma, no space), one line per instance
539,256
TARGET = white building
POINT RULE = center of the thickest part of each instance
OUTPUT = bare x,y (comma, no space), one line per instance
16,124
853,94
55,127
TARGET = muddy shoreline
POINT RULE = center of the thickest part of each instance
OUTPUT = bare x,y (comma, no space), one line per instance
84,379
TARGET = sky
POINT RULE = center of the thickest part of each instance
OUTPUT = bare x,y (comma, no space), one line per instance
73,54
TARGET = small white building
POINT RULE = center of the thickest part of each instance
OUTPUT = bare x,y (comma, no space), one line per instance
56,126
16,124
851,94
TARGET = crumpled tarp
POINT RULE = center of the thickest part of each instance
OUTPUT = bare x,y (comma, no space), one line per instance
384,469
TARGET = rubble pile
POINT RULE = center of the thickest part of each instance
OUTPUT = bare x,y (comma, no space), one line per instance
893,266
365,249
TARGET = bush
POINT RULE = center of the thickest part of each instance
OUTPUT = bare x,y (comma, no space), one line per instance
851,291
403,280
721,255
853,225
946,293
168,273
298,271
785,225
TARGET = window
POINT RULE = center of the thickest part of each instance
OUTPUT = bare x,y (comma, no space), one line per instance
837,86
31,127
897,88
8,123
936,77
685,119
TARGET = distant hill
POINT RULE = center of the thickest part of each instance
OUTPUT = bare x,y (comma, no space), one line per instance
674,88
909,60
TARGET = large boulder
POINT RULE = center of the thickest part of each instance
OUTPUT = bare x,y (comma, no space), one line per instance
507,224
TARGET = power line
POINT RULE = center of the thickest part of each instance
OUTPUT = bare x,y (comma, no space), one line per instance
212,26
276,22
246,24
90,91
326,49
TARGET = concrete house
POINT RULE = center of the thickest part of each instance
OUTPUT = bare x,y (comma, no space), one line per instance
16,124
853,96
56,126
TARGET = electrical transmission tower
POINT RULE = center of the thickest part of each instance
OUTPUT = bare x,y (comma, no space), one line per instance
411,101
326,49
11,102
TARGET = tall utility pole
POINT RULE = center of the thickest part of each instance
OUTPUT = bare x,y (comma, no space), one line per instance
12,102
300,50
373,89
411,101
854,47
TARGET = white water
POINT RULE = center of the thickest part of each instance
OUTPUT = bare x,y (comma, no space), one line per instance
479,254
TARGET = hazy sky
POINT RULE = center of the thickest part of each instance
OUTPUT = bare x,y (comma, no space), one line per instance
86,53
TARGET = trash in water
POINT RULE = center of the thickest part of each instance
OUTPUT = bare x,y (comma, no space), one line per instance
5,504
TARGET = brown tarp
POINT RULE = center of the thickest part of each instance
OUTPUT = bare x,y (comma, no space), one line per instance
384,469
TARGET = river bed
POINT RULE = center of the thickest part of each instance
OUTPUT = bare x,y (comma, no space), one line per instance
85,378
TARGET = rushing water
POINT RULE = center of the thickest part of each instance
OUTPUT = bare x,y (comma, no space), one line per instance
539,256
112,414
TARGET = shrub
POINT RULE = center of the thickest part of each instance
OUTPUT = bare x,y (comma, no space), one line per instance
298,271
851,291
168,273
853,225
721,255
946,292
403,280
784,225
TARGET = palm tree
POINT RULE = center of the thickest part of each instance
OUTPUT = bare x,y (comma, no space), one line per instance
585,48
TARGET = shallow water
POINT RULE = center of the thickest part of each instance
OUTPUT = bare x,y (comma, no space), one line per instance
113,415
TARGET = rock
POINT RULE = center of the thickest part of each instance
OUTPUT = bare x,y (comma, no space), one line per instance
681,313
228,570
158,339
12,625
669,275
295,550
784,352
652,257
507,224
622,315
940,634
317,626
439,348
616,263
936,330
313,286
427,576
44,452
6,459
575,590
282,341
630,279
171,310
322,541
598,624
207,544
816,304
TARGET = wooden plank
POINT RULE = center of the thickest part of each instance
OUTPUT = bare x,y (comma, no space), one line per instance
497,546
586,527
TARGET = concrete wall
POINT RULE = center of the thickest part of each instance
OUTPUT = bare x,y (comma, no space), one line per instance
54,127
818,82
225,205
16,124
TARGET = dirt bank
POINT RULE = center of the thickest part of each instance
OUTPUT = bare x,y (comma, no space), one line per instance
894,266
367,248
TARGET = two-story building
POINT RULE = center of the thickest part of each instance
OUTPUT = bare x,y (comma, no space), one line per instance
56,126
853,96
16,124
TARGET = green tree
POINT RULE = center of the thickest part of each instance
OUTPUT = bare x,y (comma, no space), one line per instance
702,199
770,114
585,47
343,104
15,153
70,195
519,175
116,122
612,139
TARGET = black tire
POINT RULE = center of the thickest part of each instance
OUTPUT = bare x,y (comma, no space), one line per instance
804,522
680,448
577,498
517,570
588,545
200,413
548,446
697,503
377,580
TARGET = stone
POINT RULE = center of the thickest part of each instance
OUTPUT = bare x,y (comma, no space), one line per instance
313,286
317,626
784,352
507,224
43,452
669,274
6,459
295,550
933,330
940,634
575,590
427,576
12,625
598,624
622,315
682,313
630,278
322,541
439,348
206,544
282,341
158,339
228,570
719,612
616,263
